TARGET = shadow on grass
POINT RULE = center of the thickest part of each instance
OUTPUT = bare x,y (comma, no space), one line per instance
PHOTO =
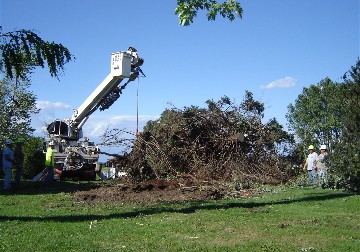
195,206
28,187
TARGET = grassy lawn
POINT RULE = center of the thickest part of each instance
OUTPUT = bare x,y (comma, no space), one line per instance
282,219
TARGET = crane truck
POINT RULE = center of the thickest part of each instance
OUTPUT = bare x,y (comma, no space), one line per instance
75,155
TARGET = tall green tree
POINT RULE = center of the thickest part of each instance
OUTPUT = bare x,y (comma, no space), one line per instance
328,113
188,9
16,107
351,103
347,150
23,50
314,118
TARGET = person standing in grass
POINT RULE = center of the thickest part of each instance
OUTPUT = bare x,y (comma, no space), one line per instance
310,165
49,163
8,158
321,162
18,161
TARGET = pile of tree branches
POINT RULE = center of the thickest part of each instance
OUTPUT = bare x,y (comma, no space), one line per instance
221,142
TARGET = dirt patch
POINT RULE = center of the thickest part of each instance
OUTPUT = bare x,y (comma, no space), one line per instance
151,192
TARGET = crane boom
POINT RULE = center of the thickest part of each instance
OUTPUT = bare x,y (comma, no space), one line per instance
123,65
120,69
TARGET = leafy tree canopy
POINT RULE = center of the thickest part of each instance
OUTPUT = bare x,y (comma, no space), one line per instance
23,50
187,10
315,116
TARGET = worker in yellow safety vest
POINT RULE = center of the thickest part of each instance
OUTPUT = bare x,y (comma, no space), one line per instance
49,163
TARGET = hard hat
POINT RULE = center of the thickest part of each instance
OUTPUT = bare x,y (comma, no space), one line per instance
311,147
20,140
51,143
323,147
9,141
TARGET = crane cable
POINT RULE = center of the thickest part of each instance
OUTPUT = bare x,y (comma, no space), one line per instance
137,101
137,108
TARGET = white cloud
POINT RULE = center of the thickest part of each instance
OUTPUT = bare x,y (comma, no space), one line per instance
48,106
286,82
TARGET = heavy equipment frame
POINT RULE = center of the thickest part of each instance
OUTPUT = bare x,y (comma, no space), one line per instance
75,155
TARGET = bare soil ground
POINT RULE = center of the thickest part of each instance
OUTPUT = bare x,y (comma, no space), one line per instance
151,192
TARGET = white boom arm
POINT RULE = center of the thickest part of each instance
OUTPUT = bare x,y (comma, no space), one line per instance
123,65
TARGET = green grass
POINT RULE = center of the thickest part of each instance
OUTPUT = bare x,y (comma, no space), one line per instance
283,219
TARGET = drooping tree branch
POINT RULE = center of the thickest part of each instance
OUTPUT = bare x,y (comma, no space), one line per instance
23,50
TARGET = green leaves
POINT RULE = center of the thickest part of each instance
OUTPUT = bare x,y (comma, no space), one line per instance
311,117
23,50
16,107
187,10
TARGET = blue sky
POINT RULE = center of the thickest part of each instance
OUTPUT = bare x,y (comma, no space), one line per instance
276,49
